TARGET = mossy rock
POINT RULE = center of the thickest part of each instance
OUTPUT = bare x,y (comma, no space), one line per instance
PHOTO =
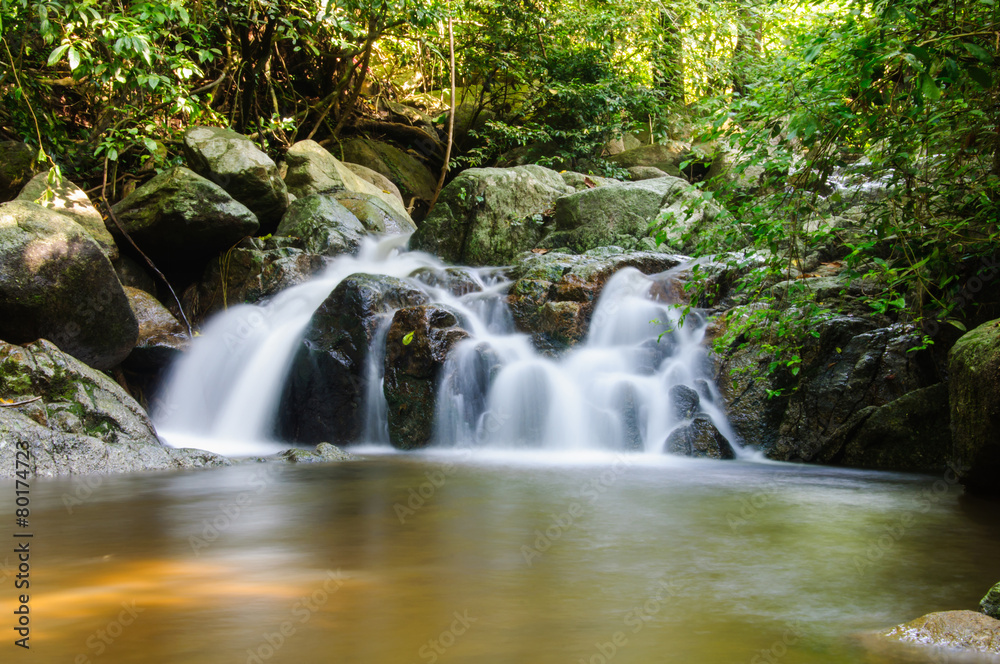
974,392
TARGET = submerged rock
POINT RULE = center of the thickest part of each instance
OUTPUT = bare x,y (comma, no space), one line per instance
324,394
699,438
83,421
233,162
974,391
57,283
417,345
487,216
324,453
965,631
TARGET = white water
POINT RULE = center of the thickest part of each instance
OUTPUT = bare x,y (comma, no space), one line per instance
612,392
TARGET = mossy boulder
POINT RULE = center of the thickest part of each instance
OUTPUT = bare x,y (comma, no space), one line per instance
83,422
182,219
69,199
974,392
377,179
417,345
18,164
961,632
233,162
375,214
57,283
322,226
402,169
488,216
667,158
990,604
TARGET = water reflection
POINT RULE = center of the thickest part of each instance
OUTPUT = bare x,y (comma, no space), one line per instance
487,557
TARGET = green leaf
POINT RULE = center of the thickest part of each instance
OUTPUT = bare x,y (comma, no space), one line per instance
929,87
982,77
57,54
959,325
74,58
408,339
978,52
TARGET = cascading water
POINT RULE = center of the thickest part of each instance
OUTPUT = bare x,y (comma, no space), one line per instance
615,391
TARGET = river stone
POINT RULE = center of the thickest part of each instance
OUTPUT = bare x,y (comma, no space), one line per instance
313,170
70,200
417,345
377,179
637,173
322,226
84,422
488,216
181,218
161,336
699,438
376,215
17,166
990,604
974,393
134,275
667,158
627,214
325,391
966,631
234,163
411,176
56,283
248,273
324,453
553,294
684,402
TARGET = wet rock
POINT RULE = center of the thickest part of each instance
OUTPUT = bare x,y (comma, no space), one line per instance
57,283
233,162
684,402
974,392
852,365
69,199
406,172
324,394
487,216
180,219
324,453
965,631
246,274
322,226
553,294
84,421
17,166
418,344
161,336
699,438
456,280
990,604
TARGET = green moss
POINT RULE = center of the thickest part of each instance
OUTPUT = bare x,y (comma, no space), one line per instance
13,380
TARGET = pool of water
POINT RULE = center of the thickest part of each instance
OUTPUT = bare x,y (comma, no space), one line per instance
487,557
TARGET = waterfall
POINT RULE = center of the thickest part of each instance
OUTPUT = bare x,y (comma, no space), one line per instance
616,390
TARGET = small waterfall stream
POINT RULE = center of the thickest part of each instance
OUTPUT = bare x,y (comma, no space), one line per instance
617,390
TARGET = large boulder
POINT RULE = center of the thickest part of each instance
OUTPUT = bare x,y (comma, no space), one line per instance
17,166
974,393
487,216
57,283
313,170
554,294
161,336
325,392
418,343
990,604
69,199
815,413
405,171
75,420
322,226
699,438
233,162
181,219
627,214
375,214
248,273
667,158
377,179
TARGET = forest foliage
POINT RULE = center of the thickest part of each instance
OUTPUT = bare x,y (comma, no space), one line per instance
906,90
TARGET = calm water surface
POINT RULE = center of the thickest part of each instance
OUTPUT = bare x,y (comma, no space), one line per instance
476,557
